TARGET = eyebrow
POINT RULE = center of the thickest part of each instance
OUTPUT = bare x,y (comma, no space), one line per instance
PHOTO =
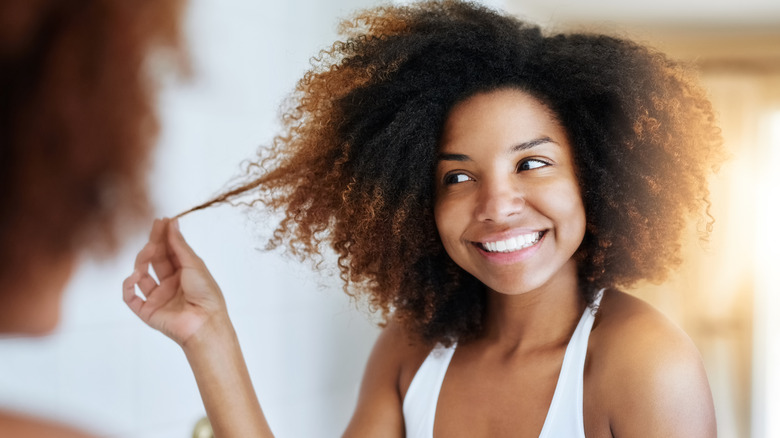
516,148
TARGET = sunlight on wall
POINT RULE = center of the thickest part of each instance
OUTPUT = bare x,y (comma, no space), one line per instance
766,388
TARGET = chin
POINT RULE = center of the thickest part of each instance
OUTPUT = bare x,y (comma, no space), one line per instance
519,284
512,291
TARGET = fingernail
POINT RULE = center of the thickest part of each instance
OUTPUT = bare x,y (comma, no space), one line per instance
175,223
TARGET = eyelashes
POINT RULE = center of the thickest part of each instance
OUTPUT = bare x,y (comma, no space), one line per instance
531,164
455,178
525,165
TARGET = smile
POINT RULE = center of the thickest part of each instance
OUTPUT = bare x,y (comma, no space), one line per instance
512,244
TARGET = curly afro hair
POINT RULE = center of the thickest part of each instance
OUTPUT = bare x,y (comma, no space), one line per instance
77,122
354,167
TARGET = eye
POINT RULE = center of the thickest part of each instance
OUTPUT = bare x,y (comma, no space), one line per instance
455,178
531,164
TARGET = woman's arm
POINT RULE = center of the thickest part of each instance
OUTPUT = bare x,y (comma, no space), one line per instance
223,380
668,396
186,304
379,408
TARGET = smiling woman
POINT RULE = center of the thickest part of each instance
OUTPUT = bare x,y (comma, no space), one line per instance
517,217
488,188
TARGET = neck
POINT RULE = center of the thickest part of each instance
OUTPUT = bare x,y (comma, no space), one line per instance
539,317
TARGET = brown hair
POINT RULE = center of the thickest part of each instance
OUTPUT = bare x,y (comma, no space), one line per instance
77,121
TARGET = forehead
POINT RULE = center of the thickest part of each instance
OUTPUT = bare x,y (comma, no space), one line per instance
502,116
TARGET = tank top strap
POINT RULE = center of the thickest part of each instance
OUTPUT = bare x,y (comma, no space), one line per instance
419,405
565,416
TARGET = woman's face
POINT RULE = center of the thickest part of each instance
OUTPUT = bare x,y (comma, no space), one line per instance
508,205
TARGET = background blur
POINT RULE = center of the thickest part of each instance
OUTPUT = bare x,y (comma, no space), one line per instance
305,343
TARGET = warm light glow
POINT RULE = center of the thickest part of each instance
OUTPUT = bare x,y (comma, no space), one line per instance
766,368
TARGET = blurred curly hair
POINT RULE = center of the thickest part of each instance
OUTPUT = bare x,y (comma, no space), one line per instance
77,122
354,167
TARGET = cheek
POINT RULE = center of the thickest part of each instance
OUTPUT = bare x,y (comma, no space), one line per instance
560,201
448,224
572,213
440,216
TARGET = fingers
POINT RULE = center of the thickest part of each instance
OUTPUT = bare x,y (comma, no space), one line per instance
143,280
133,301
160,258
159,253
144,257
156,252
182,252
147,284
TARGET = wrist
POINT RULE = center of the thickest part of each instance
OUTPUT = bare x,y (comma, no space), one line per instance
216,333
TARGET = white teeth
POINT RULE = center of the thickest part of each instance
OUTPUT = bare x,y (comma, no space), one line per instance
514,243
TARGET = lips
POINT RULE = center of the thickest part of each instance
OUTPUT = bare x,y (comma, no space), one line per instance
512,244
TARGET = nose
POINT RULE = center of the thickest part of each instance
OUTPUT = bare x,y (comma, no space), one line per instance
498,200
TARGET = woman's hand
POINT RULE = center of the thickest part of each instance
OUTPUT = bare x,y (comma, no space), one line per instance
186,304
184,297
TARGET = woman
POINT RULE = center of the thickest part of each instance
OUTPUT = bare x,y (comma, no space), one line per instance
489,188
78,123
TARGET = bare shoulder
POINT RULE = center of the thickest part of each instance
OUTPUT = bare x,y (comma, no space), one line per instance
402,351
23,426
388,373
648,372
626,326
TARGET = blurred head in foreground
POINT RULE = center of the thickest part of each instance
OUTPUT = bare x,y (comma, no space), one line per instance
78,81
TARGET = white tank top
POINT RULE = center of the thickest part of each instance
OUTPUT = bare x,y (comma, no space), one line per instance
564,417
